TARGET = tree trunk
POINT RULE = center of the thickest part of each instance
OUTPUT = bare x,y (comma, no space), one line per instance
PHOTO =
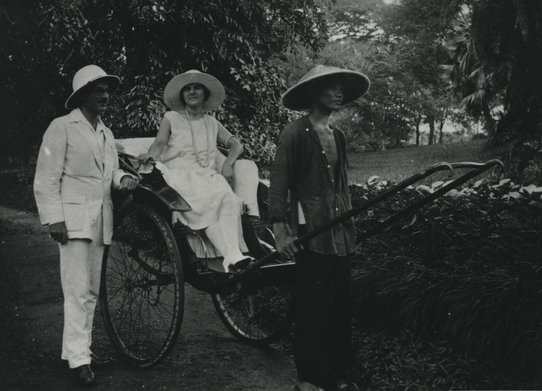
418,121
431,122
441,126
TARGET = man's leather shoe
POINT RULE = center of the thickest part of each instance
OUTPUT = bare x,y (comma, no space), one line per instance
100,361
84,375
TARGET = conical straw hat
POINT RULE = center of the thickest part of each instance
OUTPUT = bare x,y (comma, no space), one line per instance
299,96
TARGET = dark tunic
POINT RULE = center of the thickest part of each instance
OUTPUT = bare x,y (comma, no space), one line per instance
301,166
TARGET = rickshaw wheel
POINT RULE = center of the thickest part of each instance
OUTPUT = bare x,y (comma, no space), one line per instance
258,313
142,287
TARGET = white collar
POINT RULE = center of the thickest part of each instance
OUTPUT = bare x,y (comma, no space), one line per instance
78,116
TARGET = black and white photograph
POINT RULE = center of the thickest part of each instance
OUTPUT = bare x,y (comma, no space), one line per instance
271,195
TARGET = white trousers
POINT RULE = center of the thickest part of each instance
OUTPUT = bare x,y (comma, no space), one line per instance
80,268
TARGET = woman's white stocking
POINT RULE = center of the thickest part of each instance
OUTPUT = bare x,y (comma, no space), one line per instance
224,235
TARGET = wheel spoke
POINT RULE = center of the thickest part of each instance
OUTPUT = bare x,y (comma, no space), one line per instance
144,287
258,315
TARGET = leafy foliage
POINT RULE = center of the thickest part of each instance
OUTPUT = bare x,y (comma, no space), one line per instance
496,66
401,361
466,270
147,42
416,31
378,120
401,48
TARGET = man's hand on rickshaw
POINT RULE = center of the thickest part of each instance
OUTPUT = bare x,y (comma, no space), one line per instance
146,158
285,240
227,171
58,232
128,183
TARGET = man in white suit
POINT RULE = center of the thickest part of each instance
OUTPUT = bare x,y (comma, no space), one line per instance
77,167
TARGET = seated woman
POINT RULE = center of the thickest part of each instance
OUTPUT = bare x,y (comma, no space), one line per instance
186,144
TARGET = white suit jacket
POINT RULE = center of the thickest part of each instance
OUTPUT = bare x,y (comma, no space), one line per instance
74,177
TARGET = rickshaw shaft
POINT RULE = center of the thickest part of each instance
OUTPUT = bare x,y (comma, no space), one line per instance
477,169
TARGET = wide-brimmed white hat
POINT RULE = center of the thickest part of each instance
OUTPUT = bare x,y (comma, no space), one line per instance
300,96
217,94
86,75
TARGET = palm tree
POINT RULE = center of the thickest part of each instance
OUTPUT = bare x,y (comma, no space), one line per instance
471,85
498,60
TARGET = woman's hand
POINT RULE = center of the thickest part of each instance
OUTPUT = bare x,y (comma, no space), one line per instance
227,171
285,240
146,158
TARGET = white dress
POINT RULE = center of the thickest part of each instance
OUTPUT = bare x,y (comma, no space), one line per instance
190,156
207,191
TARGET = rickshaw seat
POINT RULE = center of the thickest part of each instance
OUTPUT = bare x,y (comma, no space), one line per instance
244,183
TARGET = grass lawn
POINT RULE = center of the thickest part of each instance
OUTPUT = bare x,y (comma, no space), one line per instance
397,164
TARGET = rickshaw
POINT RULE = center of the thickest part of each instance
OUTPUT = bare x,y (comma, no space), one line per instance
150,259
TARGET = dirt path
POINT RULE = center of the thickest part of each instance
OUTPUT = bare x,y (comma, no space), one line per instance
205,357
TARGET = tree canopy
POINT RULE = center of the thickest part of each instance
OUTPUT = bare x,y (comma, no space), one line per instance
491,51
401,48
424,58
147,42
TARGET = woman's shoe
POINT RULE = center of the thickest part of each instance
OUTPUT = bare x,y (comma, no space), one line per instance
237,266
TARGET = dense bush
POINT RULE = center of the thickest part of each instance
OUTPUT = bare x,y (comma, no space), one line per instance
17,189
467,269
399,361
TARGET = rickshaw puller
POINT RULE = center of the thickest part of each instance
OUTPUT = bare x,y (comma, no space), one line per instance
310,166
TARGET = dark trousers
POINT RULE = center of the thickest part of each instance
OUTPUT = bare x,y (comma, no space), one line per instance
323,314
